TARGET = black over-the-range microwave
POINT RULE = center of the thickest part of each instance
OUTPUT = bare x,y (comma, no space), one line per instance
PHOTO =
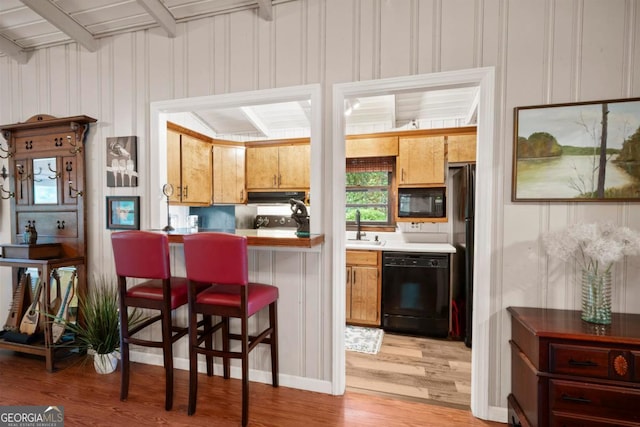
422,202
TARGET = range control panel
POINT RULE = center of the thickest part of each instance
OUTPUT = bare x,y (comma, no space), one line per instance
274,221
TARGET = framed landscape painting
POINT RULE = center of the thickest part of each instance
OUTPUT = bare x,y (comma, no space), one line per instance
579,152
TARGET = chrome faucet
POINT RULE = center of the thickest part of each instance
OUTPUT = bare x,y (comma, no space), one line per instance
358,233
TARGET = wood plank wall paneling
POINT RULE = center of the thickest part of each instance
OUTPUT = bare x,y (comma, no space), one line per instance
544,52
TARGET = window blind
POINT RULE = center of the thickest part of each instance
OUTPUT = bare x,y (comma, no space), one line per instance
370,164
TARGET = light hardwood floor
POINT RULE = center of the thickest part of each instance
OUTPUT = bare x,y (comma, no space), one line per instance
92,399
433,371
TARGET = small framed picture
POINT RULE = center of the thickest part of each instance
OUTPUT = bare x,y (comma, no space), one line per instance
122,161
123,212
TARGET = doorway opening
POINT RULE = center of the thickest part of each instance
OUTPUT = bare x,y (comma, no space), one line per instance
484,79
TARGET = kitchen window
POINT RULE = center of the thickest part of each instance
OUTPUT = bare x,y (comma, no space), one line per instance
369,190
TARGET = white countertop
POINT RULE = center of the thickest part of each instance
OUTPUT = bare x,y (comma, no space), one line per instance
399,246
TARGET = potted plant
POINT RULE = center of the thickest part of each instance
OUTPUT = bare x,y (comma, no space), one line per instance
99,331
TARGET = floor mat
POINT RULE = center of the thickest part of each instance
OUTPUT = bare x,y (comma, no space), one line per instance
363,340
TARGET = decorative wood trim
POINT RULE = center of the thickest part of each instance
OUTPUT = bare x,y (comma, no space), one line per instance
187,131
467,130
278,142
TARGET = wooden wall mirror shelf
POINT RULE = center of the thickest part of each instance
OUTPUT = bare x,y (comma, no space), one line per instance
45,185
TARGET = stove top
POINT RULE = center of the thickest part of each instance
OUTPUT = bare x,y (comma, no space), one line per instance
274,221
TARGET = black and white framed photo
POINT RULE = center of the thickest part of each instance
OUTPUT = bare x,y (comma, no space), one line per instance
122,161
123,212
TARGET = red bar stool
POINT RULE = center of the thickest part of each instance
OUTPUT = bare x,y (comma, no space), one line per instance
145,255
220,259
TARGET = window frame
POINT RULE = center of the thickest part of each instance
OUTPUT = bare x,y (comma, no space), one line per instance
389,225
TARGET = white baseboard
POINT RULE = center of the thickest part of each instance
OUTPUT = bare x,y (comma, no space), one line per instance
292,381
498,414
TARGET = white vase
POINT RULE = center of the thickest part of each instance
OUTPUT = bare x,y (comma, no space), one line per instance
105,363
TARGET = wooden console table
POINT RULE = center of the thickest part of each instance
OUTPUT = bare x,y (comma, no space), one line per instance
44,267
568,372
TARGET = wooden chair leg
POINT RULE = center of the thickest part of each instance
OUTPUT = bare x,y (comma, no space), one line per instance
245,371
124,353
225,347
193,362
167,350
208,343
273,324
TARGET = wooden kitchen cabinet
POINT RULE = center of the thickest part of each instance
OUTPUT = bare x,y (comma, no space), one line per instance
228,174
421,161
364,290
278,167
568,372
189,166
373,146
461,148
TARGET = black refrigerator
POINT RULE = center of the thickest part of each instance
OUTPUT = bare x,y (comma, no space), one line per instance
462,197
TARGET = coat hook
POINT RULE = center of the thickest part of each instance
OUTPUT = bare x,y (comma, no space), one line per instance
56,175
72,190
9,194
6,135
75,148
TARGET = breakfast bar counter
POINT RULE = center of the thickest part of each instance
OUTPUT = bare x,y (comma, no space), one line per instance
259,237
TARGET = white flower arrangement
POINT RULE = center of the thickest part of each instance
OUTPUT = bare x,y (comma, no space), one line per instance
595,247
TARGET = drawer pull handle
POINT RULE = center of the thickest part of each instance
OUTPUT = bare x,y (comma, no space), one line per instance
583,363
575,399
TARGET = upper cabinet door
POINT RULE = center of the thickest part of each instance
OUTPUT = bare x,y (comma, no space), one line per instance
461,148
262,168
293,164
421,161
228,174
174,165
189,167
196,171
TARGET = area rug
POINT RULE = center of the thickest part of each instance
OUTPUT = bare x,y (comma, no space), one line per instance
363,340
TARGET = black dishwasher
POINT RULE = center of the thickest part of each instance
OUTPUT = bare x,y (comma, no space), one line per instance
415,293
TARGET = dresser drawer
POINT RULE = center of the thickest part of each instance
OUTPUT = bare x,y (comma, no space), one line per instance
575,399
51,224
579,360
47,142
563,420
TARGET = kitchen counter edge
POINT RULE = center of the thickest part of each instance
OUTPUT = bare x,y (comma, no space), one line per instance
277,240
392,246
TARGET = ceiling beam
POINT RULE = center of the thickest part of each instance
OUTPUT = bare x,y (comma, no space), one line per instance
265,10
161,14
472,115
64,22
255,121
13,50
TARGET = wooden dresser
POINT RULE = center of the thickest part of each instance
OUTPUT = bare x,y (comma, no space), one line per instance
567,372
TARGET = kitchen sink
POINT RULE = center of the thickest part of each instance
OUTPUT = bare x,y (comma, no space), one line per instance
365,242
